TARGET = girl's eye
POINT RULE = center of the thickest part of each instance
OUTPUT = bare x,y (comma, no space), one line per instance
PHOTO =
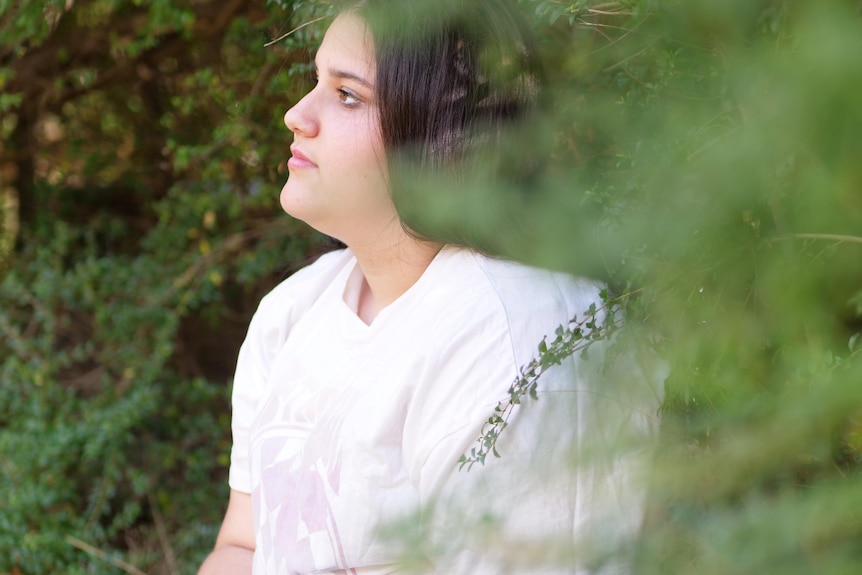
347,97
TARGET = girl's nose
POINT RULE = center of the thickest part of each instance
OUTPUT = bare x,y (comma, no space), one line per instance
299,118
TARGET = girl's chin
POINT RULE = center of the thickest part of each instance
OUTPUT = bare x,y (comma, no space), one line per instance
291,201
296,205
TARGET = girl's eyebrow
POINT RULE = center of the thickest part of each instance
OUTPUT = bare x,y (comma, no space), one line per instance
345,75
349,76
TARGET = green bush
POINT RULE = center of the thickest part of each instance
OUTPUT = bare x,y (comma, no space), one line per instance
147,180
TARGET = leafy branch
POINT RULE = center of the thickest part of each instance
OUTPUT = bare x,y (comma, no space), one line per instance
597,324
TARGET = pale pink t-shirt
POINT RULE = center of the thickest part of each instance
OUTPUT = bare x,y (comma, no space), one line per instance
340,427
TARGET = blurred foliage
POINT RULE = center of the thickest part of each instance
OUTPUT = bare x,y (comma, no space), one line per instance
706,151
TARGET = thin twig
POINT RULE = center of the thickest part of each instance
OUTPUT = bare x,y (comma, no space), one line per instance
604,13
99,554
300,27
230,244
101,496
606,5
257,86
578,336
164,541
627,32
635,55
827,237
13,337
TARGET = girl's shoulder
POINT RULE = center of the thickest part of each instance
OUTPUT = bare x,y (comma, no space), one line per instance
289,300
303,287
537,301
524,289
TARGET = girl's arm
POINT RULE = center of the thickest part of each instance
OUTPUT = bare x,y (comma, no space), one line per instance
235,543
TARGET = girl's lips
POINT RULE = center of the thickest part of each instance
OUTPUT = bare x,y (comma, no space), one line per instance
298,160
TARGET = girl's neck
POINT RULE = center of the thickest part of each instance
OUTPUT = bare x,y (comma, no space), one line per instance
389,269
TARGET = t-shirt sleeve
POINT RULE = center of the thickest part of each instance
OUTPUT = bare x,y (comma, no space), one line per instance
267,333
264,338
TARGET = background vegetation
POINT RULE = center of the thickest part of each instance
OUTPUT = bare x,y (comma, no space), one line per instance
704,152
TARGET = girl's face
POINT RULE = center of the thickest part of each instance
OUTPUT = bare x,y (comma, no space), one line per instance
338,180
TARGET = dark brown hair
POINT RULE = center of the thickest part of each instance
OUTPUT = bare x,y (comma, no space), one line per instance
449,72
452,76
